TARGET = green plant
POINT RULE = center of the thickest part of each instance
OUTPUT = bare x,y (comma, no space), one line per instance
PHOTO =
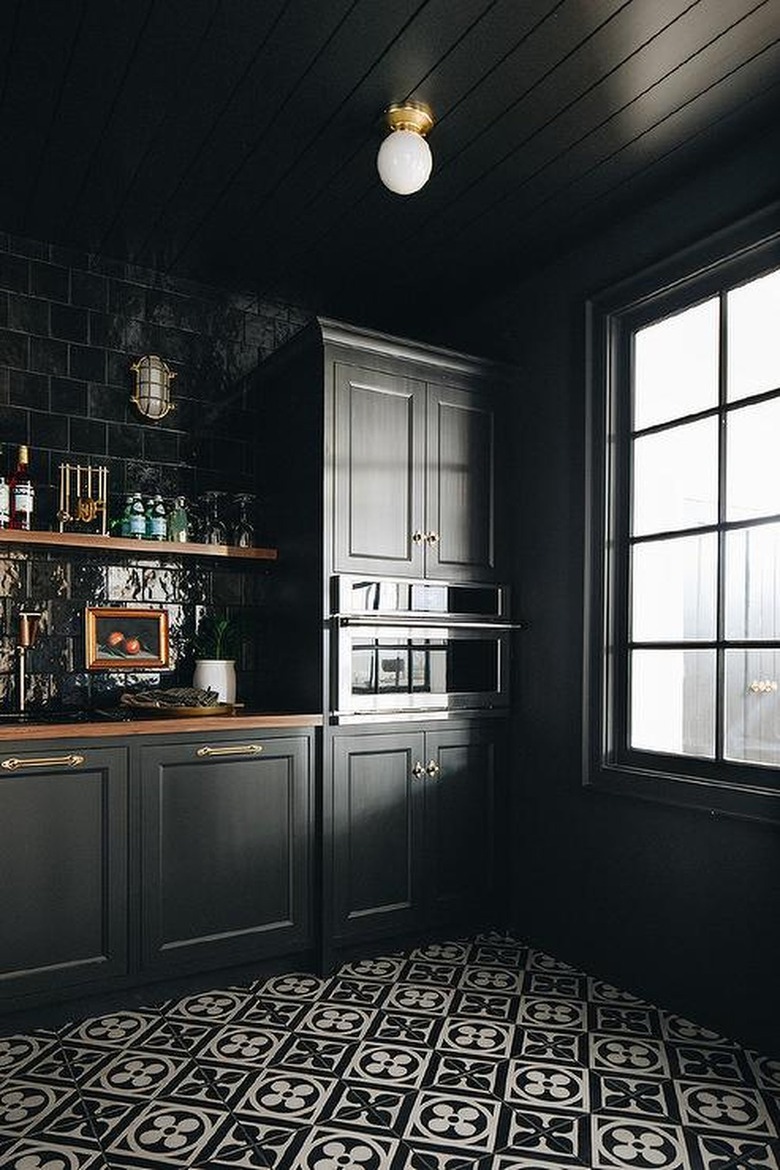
218,635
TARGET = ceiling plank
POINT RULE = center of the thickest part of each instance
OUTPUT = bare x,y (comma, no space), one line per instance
157,68
279,68
43,41
107,40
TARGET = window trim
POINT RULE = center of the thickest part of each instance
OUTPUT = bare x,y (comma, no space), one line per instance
735,254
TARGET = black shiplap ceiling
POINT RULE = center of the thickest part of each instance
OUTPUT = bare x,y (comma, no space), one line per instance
235,140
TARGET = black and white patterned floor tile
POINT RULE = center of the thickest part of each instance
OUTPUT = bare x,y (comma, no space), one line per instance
476,1054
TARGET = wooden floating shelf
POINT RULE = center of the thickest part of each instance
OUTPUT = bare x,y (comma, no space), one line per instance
143,548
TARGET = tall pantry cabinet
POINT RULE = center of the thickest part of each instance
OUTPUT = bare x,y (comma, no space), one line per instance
380,457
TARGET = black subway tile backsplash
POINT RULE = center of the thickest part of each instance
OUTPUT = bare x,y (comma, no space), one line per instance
69,323
125,441
160,446
68,396
30,314
126,300
14,424
49,280
14,349
88,290
108,402
71,326
27,389
14,273
48,356
48,431
87,362
88,436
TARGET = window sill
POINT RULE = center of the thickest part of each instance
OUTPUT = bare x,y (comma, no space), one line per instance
714,797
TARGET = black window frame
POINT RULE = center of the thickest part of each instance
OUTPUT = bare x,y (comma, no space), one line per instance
747,790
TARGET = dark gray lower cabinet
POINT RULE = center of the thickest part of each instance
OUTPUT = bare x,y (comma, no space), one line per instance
225,854
413,816
63,868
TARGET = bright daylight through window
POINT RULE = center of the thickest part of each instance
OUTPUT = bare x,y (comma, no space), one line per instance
684,654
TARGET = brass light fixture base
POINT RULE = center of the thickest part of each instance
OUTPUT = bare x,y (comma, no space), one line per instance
413,116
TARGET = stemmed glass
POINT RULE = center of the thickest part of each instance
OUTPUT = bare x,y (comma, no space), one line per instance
244,529
214,528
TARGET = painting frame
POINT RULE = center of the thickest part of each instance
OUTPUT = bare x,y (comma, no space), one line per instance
128,640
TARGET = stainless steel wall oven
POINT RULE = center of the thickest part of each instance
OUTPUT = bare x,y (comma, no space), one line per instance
418,649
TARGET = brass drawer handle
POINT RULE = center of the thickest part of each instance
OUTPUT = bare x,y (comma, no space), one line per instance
72,761
234,749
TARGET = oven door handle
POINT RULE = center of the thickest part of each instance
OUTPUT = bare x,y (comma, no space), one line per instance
424,621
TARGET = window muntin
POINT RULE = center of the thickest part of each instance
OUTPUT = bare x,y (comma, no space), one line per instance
687,598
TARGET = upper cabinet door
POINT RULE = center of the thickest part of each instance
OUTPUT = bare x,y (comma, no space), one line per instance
460,485
378,472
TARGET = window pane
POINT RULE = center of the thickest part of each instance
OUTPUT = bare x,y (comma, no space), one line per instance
753,582
676,366
673,701
753,706
674,589
752,480
676,478
753,338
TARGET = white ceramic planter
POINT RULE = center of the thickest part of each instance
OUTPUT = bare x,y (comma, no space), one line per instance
216,674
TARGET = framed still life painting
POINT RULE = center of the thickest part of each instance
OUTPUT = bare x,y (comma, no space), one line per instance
126,639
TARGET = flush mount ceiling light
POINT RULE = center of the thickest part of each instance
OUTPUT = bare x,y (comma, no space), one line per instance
404,161
152,394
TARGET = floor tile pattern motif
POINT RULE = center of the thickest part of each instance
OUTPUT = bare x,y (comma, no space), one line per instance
476,1054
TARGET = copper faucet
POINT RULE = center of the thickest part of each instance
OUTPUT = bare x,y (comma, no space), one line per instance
29,624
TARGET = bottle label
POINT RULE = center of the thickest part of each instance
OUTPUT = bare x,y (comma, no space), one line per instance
137,524
24,498
157,527
5,504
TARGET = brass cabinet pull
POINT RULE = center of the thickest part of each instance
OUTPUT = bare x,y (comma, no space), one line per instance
432,537
418,537
433,768
72,761
418,770
234,749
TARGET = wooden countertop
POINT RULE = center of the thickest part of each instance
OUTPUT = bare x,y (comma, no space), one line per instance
153,725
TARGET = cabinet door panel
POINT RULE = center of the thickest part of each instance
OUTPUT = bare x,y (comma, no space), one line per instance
378,834
225,853
460,485
63,870
459,799
380,422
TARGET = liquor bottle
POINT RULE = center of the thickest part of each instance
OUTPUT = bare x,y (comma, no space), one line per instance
5,503
137,520
156,520
178,521
22,493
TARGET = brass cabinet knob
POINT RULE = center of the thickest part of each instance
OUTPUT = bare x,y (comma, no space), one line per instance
418,770
418,537
432,537
433,768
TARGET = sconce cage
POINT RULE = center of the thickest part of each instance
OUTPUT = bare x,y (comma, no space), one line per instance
152,393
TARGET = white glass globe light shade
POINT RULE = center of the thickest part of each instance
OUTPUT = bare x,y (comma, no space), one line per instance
404,162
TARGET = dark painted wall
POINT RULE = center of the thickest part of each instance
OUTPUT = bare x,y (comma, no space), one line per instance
71,324
680,906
